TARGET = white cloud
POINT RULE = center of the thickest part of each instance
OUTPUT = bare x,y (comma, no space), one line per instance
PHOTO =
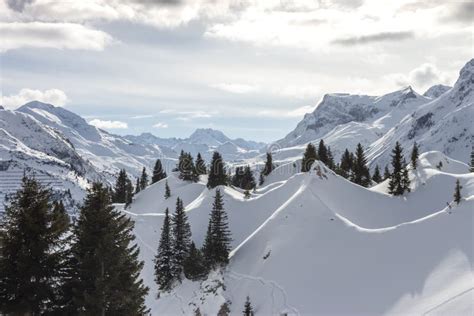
108,124
160,125
53,96
235,87
51,35
421,77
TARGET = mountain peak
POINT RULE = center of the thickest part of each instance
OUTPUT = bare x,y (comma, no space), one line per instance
208,136
436,90
37,105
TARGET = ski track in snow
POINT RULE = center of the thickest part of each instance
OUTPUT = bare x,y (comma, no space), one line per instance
448,301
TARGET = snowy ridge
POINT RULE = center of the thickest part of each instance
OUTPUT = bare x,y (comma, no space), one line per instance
386,249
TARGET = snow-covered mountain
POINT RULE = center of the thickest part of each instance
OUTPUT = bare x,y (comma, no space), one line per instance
300,249
441,119
204,141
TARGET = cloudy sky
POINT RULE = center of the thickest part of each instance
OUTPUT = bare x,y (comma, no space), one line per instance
249,68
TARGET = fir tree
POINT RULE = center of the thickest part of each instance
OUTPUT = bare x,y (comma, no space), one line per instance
248,309
346,164
457,192
360,171
167,190
224,310
200,165
268,165
104,267
187,169
121,190
217,173
143,179
386,173
163,259
32,252
128,192
237,178
309,157
330,163
194,266
217,242
414,156
399,181
323,152
137,186
405,179
181,238
377,178
471,169
158,172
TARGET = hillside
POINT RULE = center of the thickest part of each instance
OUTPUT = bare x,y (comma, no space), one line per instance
376,253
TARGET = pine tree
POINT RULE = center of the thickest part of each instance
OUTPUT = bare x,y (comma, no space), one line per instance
128,191
158,172
217,243
163,259
268,165
248,309
331,163
217,173
167,190
399,181
377,178
187,169
194,267
143,179
414,156
360,171
309,157
323,152
471,169
137,186
386,173
32,252
238,176
121,190
346,164
457,192
104,267
224,310
181,238
200,165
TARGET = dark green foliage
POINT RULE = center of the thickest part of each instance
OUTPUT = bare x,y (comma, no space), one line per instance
471,169
158,172
163,260
187,169
33,252
386,173
194,266
123,191
181,238
217,172
248,309
414,156
309,157
376,177
323,152
243,178
399,182
268,165
360,172
104,266
345,166
167,190
137,186
330,162
457,192
217,242
143,179
224,310
200,165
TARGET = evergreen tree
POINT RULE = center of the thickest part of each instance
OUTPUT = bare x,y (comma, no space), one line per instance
248,309
137,186
32,252
163,259
237,178
217,172
187,169
471,169
104,267
121,190
309,157
158,172
405,178
386,173
224,310
323,152
330,163
268,165
360,171
200,165
167,190
377,178
217,242
457,192
128,191
243,178
414,156
194,266
181,240
399,181
143,179
345,166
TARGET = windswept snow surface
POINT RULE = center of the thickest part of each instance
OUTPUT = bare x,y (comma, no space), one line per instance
316,244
